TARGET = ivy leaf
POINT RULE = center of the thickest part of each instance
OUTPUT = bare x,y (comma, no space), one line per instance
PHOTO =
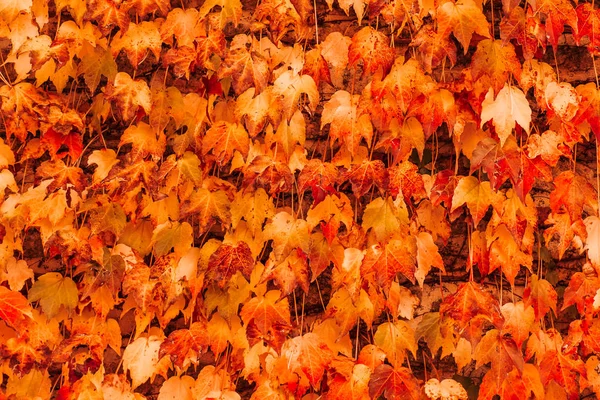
223,138
140,358
509,107
394,338
227,260
393,383
129,95
373,49
14,308
470,301
541,295
345,123
172,235
53,292
477,195
462,18
137,41
495,59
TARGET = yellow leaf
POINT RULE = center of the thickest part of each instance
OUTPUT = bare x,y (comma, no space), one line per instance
54,291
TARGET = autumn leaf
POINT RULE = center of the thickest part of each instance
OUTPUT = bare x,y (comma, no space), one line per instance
129,95
478,196
508,108
394,339
223,138
462,18
372,48
227,260
140,358
470,301
345,123
392,383
14,308
54,291
541,295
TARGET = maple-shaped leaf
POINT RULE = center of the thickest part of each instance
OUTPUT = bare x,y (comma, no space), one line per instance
253,207
104,159
316,66
263,171
108,14
141,358
257,110
335,51
462,18
10,9
373,49
144,7
385,217
137,41
172,235
320,177
291,86
526,27
185,345
366,174
354,388
582,289
177,388
289,273
53,292
434,47
589,106
518,320
333,210
565,230
185,25
406,179
506,254
385,261
565,369
223,138
541,295
477,195
558,14
129,95
346,311
495,59
588,24
509,107
227,260
428,256
231,10
470,301
208,207
144,140
346,125
269,314
308,355
502,352
14,308
246,68
167,104
549,146
394,383
394,338
287,233
62,174
53,141
573,192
